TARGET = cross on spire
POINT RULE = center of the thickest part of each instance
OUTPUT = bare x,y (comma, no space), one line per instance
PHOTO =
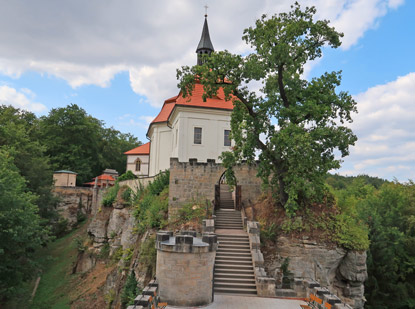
206,7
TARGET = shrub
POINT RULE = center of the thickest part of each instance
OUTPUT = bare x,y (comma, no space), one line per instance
148,255
128,175
110,196
350,233
160,182
130,290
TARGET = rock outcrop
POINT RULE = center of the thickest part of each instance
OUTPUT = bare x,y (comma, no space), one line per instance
343,272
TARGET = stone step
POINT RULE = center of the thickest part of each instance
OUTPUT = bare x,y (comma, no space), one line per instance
240,291
232,236
223,267
241,255
229,225
228,228
226,261
234,276
236,239
236,285
233,246
233,241
239,252
224,279
233,257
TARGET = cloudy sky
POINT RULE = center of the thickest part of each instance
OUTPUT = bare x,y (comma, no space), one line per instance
118,60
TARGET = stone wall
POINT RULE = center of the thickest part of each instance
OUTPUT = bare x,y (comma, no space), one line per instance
73,201
342,272
192,181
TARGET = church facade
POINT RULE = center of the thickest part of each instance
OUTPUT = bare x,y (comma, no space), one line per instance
185,128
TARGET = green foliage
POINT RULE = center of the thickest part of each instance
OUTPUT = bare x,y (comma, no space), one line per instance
350,233
127,195
191,212
292,225
159,183
151,204
19,133
21,231
269,232
130,290
148,255
301,121
110,297
80,244
105,251
128,175
79,142
111,196
390,215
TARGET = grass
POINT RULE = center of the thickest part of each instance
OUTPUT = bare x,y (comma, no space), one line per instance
56,262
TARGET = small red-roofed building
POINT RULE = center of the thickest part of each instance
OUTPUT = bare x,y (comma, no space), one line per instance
138,160
185,128
102,181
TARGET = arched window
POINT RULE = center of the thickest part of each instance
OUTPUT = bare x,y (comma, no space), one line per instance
137,165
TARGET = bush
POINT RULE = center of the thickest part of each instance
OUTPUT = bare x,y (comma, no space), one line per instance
110,196
350,233
130,290
160,182
148,255
128,175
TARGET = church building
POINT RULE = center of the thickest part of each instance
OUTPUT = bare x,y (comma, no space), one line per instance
185,128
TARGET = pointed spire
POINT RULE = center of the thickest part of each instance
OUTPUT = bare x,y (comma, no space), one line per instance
205,45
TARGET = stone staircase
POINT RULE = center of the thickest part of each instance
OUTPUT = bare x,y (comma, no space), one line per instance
234,272
226,201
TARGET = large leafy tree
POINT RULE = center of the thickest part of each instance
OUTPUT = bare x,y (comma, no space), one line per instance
79,142
21,228
19,133
295,125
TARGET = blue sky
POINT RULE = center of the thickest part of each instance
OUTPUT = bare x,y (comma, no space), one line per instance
118,62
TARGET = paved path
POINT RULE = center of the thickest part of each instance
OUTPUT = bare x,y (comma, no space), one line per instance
246,302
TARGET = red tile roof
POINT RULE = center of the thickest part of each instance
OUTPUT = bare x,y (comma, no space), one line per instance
196,100
105,177
140,150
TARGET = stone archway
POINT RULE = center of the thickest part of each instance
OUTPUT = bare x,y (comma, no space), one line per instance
194,180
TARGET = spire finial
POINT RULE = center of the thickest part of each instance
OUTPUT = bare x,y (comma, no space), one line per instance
206,7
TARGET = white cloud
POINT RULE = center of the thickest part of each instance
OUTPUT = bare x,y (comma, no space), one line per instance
86,42
385,127
10,96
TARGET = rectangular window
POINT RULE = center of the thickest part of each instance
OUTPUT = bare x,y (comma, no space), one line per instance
198,136
227,139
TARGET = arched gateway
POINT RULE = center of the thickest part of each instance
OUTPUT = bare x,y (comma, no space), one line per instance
192,181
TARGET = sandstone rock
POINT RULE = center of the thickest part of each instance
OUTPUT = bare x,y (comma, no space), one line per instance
353,266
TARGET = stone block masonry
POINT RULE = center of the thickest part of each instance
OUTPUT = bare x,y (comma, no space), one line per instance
185,268
193,181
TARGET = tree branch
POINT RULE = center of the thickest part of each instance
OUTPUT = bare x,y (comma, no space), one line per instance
281,86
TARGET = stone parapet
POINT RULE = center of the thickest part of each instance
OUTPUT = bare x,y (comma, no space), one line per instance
265,285
185,267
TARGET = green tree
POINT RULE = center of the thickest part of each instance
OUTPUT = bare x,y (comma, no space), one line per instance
72,138
79,142
19,133
21,231
294,124
390,215
114,144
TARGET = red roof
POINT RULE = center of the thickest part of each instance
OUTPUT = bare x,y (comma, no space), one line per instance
196,100
140,150
105,177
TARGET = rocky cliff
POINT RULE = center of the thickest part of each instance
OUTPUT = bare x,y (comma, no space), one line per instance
343,272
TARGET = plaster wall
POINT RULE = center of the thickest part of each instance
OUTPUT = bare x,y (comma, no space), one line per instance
64,180
160,148
145,159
